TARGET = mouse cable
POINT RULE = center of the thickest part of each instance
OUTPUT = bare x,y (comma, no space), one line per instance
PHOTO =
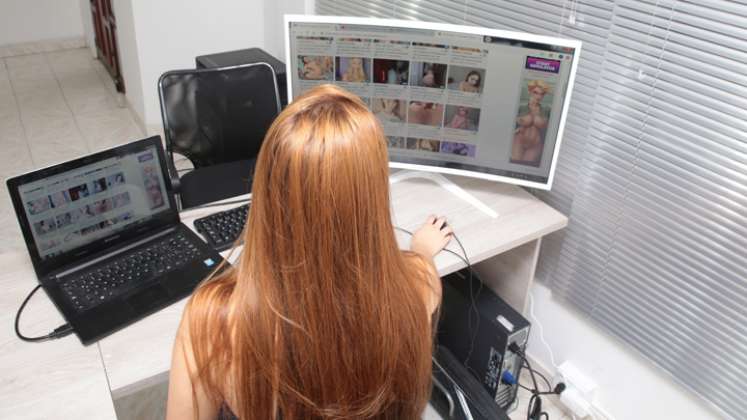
476,311
59,332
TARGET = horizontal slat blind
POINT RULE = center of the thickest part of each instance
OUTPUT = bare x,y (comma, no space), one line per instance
652,172
656,248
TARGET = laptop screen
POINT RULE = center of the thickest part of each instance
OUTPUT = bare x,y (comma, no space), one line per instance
72,208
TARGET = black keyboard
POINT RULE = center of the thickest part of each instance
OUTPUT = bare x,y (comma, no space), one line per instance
222,229
93,286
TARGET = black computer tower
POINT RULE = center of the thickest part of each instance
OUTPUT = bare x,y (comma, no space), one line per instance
457,395
478,327
250,55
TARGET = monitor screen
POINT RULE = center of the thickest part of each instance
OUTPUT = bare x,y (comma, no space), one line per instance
75,207
453,99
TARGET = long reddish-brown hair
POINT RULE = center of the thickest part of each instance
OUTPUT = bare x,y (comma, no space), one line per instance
322,317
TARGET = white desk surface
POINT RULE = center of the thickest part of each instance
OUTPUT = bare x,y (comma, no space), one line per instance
64,379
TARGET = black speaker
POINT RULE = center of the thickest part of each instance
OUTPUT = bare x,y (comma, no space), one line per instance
250,55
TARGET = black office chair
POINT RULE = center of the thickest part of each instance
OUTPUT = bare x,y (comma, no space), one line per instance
217,118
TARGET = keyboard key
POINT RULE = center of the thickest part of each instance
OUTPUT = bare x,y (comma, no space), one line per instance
89,288
221,230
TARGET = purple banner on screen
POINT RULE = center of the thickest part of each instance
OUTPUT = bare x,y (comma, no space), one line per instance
543,64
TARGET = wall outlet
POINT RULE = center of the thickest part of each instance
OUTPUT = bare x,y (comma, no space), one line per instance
579,392
572,376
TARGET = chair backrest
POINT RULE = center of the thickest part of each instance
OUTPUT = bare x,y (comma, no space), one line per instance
218,115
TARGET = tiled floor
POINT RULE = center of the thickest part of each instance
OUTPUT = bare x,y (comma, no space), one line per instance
59,105
53,107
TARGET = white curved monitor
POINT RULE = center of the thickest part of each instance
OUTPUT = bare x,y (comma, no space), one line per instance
452,99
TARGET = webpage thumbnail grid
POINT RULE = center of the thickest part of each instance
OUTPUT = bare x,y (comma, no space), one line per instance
76,207
459,100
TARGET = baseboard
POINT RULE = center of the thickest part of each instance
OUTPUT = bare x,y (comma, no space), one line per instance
26,48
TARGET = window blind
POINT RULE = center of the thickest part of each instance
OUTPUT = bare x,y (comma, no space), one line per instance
652,173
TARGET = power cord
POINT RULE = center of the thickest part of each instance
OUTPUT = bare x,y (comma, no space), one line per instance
59,332
534,408
535,320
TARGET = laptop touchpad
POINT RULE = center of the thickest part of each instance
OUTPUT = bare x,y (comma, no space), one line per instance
148,298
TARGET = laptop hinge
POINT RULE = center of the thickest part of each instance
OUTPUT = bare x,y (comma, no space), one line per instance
113,253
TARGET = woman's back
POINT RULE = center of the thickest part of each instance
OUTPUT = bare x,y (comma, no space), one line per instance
323,317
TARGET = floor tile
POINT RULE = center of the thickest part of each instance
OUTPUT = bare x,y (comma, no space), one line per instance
29,85
53,140
29,75
16,156
90,101
10,232
114,127
83,87
8,105
46,101
3,70
106,79
26,61
70,61
82,79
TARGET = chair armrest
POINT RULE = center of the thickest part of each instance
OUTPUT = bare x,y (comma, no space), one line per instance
173,176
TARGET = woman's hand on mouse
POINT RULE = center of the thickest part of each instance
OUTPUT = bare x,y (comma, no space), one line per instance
432,237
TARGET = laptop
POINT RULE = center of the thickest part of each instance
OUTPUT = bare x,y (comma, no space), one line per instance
105,239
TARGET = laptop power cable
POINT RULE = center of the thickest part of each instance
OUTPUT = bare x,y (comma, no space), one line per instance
59,332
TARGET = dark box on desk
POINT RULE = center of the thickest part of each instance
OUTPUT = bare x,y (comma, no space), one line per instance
477,327
247,56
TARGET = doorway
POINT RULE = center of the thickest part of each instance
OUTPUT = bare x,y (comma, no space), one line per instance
105,29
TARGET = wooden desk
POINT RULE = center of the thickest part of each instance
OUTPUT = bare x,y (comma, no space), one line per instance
63,379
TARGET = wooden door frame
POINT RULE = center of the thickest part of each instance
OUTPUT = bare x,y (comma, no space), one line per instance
105,30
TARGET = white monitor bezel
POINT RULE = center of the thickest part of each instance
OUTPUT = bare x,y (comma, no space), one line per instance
473,30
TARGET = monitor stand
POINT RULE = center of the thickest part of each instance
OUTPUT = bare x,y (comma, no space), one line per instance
446,184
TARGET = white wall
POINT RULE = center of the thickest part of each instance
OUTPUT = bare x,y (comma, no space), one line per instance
171,33
23,21
630,387
129,59
274,31
88,32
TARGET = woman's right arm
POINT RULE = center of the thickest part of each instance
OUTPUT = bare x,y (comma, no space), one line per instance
427,242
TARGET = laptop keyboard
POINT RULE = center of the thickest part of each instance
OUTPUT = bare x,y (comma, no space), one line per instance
94,286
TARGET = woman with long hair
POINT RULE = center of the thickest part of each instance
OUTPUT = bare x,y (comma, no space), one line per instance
322,316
